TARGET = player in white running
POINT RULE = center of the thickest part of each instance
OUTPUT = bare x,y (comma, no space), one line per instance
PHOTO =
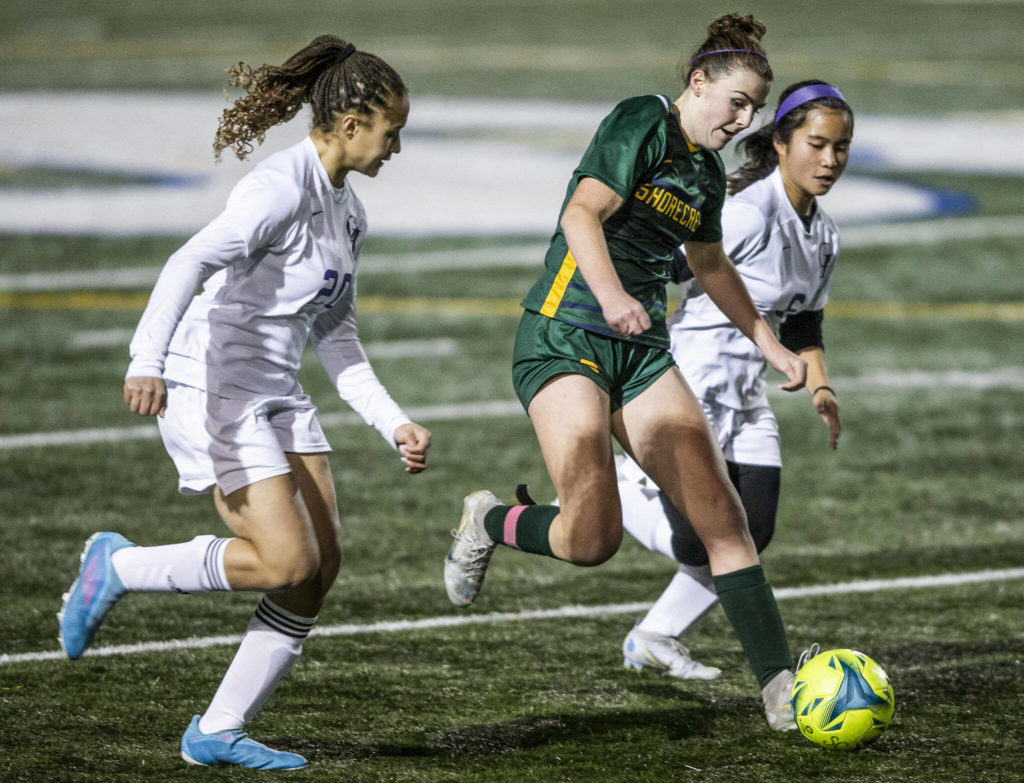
219,369
784,246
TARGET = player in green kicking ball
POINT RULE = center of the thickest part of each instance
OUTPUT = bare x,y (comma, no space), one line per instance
591,355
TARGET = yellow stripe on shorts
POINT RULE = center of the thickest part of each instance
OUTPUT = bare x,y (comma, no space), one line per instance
558,287
591,365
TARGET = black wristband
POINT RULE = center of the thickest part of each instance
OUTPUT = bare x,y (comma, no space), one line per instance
829,388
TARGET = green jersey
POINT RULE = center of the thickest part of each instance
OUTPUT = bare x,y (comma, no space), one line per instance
672,193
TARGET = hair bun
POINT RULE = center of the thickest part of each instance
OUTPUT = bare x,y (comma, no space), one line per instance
730,25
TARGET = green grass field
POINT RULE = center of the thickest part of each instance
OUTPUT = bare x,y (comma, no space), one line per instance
926,482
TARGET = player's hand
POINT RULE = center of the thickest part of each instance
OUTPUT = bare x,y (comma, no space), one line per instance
146,396
790,365
624,314
827,407
413,442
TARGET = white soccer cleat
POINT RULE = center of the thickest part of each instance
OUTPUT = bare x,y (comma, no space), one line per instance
646,650
778,701
467,560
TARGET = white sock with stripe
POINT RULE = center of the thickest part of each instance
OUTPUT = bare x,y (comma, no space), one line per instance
195,566
270,647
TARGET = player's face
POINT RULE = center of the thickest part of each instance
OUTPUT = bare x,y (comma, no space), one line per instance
378,138
724,108
816,155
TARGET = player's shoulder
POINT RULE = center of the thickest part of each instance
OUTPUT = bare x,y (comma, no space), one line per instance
281,179
645,109
750,210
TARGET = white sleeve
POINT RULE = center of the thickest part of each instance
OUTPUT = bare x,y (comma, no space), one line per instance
260,208
336,342
212,249
744,230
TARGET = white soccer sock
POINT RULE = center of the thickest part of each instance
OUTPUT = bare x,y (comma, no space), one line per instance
642,513
270,647
195,566
686,599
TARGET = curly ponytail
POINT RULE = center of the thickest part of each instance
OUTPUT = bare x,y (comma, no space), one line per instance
329,74
759,147
733,44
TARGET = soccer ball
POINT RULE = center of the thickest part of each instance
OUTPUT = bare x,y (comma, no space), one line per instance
842,700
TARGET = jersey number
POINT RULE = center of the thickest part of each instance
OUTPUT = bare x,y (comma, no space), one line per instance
329,295
794,304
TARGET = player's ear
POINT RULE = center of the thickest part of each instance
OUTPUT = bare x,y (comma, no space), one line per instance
698,80
347,125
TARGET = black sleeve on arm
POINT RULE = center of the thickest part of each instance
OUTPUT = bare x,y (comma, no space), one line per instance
802,330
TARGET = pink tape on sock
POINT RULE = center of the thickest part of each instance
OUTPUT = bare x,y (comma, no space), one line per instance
511,520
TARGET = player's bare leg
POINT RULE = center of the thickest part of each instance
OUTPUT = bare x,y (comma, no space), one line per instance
570,417
665,430
288,544
573,426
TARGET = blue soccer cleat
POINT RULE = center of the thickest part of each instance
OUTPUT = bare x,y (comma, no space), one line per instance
233,747
92,595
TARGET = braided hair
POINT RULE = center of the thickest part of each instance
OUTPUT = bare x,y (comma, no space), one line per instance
733,44
330,74
759,147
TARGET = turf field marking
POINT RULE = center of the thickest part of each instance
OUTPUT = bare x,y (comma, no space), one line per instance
924,232
561,613
380,349
470,307
998,378
384,263
468,410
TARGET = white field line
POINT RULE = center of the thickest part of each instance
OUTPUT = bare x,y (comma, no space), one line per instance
998,378
101,338
564,612
930,232
923,232
468,410
145,277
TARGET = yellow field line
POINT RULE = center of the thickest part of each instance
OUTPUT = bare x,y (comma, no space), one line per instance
509,306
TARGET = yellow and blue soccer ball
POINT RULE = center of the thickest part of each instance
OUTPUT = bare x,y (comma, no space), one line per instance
842,700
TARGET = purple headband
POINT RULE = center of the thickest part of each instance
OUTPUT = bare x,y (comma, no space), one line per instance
726,51
809,93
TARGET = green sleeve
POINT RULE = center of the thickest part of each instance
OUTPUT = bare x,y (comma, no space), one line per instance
628,143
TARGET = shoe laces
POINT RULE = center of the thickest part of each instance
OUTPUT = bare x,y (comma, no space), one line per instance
807,654
475,555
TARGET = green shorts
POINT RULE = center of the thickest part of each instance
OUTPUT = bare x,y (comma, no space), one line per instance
546,347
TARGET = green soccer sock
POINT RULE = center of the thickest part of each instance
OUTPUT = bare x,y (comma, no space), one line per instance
522,527
749,603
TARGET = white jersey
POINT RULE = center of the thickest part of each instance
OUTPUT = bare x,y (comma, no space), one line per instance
786,267
278,266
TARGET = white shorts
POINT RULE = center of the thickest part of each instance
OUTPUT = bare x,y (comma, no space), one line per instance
234,443
748,437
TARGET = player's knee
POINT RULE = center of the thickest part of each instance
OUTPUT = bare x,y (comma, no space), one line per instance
593,553
330,563
293,568
586,548
724,526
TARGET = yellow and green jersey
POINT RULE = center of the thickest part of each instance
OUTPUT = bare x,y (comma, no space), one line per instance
673,193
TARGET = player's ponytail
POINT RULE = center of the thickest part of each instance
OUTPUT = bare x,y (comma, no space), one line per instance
330,74
759,147
733,44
